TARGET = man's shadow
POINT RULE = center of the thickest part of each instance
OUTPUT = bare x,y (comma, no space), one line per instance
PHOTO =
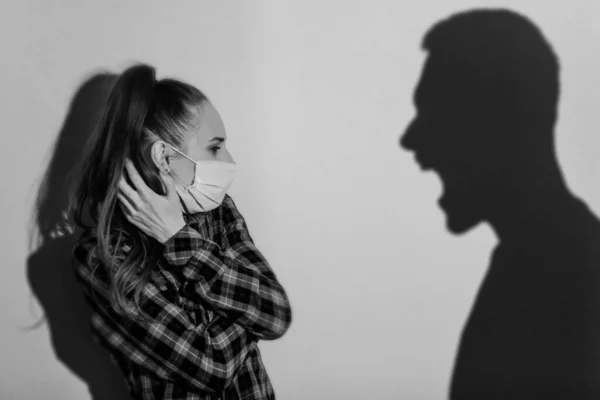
49,267
486,110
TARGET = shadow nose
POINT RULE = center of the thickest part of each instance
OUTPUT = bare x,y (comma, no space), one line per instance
406,140
401,142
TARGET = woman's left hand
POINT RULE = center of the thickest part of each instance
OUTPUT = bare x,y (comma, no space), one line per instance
155,215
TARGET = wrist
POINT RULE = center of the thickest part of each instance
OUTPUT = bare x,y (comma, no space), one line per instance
172,231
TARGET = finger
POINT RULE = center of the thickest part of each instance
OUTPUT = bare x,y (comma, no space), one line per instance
135,177
129,192
126,205
132,217
130,214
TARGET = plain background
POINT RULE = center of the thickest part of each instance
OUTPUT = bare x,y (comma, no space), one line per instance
315,95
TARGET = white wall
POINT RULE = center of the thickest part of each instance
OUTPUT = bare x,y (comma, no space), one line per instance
314,95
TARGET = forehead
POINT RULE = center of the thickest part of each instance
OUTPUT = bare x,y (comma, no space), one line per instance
446,88
435,82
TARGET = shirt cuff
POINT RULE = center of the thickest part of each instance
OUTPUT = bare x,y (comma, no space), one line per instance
181,247
198,258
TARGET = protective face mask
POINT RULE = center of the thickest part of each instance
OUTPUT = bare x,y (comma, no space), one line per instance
211,181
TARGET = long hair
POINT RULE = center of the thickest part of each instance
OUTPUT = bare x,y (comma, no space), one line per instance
140,110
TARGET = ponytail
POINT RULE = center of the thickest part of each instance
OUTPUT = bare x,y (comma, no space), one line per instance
119,136
133,119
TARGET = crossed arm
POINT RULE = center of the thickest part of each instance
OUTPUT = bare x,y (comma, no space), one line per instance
236,281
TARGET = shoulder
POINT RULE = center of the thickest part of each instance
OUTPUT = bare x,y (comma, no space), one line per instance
228,202
85,247
85,262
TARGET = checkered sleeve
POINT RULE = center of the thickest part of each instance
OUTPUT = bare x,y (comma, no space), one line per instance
236,281
206,357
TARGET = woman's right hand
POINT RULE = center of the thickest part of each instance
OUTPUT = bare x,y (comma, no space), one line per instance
157,216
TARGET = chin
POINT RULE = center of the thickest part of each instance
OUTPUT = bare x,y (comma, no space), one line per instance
459,227
460,220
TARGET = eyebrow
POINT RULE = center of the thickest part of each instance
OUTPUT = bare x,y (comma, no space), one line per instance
217,139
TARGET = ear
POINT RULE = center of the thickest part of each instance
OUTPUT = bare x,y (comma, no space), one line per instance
160,156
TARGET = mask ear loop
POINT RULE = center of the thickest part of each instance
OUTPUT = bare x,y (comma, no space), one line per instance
183,154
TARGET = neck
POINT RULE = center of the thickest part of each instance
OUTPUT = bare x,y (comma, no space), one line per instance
523,207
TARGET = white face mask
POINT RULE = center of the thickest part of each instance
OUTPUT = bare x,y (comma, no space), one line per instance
212,179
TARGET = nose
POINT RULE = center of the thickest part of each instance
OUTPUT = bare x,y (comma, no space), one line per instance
226,156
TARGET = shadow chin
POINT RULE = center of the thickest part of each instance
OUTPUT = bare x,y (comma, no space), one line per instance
459,224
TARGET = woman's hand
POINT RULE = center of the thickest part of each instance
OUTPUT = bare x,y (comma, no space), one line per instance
155,215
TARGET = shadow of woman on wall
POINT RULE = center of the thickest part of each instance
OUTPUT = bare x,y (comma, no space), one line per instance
49,266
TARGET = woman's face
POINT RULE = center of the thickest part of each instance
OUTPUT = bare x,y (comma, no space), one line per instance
204,142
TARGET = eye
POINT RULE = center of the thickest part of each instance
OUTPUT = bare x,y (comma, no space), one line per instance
215,150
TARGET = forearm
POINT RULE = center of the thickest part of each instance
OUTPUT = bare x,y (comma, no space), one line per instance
206,358
166,342
241,286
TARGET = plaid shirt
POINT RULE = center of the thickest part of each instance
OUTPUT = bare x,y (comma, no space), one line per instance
211,298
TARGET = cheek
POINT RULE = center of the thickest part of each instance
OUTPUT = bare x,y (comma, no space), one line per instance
209,155
183,173
204,155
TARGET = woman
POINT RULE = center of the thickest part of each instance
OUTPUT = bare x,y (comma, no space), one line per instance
180,293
